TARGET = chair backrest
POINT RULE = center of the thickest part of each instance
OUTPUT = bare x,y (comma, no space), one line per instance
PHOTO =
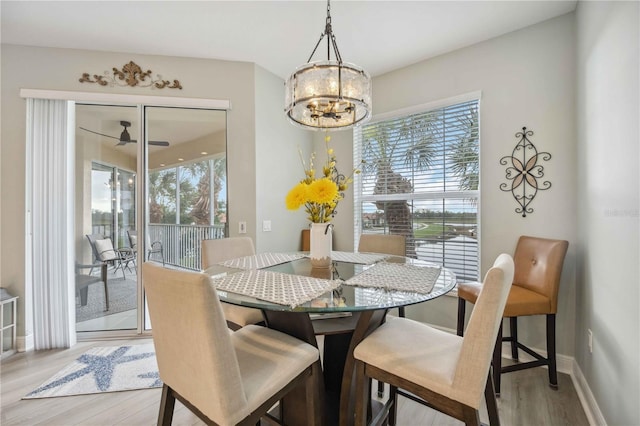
480,337
539,266
132,234
221,249
383,243
193,346
105,251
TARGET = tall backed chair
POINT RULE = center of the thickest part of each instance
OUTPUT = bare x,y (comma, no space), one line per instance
104,252
224,378
441,370
538,265
387,244
383,243
220,250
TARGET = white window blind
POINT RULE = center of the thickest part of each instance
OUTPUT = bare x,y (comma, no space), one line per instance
420,179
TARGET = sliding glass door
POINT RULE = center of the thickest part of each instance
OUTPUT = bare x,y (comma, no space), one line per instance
186,181
106,209
135,202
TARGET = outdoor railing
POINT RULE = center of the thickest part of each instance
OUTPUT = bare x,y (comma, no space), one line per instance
181,243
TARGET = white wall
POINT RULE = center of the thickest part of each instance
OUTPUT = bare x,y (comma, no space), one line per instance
608,72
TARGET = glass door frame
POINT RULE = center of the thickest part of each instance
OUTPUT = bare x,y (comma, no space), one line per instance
131,101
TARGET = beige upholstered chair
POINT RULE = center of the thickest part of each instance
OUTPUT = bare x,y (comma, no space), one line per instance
383,243
538,265
224,378
387,244
448,371
219,250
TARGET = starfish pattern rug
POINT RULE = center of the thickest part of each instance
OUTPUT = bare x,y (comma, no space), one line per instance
104,369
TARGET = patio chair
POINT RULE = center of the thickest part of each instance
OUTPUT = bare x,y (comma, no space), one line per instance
83,281
155,247
103,252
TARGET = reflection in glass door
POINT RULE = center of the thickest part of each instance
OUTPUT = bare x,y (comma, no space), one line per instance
106,193
129,211
186,184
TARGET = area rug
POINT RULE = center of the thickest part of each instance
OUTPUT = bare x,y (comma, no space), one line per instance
104,369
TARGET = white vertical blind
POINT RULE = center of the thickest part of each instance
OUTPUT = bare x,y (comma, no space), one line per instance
50,169
420,179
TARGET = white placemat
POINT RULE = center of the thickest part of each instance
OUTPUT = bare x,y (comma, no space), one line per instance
262,260
397,276
359,258
275,287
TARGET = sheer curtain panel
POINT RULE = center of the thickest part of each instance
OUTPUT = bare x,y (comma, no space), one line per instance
50,250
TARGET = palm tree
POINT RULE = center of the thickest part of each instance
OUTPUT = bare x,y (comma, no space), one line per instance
407,143
464,155
393,151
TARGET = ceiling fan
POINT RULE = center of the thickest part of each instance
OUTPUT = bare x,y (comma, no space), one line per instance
125,137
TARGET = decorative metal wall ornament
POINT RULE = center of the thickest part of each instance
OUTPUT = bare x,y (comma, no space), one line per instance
130,75
525,172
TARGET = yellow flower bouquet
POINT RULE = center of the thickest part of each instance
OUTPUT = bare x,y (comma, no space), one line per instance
319,196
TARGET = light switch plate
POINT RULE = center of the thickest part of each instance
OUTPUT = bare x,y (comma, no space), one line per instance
242,227
266,226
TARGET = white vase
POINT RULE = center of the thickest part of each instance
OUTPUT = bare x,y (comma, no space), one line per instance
321,242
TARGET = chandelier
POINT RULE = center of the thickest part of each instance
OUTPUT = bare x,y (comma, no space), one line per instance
328,95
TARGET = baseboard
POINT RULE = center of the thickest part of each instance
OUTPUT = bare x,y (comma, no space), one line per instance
25,343
566,365
588,401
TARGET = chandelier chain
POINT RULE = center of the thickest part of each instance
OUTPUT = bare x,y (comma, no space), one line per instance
331,39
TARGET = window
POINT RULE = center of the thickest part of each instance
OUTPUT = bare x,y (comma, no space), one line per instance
420,176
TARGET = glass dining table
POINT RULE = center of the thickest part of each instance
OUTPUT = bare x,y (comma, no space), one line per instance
343,303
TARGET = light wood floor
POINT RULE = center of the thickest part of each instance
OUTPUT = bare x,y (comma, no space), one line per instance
526,398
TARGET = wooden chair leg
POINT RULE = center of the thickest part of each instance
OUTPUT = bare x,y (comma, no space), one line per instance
393,410
380,389
461,309
362,396
497,361
492,405
167,404
470,416
551,350
513,328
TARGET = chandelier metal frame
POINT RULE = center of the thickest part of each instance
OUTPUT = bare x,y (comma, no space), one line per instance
331,94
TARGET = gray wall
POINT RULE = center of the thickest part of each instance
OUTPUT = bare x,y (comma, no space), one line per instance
583,108
608,72
60,69
526,79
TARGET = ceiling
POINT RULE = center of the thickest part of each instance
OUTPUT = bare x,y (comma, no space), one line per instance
380,36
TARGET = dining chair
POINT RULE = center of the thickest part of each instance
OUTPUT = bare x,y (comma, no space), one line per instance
387,244
220,250
104,252
224,378
441,370
538,266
